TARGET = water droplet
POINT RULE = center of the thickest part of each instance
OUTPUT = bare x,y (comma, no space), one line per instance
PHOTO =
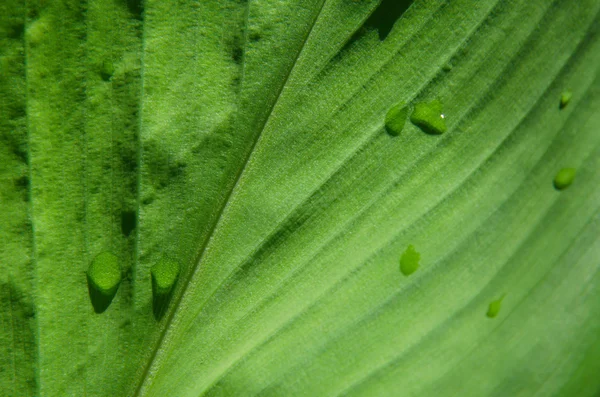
395,119
564,178
428,116
409,261
565,98
164,276
494,307
104,277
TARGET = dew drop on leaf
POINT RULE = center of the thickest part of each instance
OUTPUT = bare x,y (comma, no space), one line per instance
164,276
428,116
104,277
564,178
494,307
395,119
409,261
105,273
565,98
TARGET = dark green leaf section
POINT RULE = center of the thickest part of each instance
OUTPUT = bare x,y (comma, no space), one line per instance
17,316
83,73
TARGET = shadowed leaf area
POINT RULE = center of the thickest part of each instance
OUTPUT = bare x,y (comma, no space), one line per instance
299,198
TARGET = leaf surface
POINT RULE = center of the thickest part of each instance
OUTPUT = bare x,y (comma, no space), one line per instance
245,140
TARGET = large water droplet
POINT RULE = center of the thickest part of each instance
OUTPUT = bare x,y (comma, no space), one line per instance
164,275
104,277
428,116
409,261
564,178
396,118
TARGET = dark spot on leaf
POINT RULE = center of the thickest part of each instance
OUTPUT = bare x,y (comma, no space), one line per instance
254,36
148,200
128,222
129,160
385,16
23,183
382,20
136,8
17,144
16,31
237,54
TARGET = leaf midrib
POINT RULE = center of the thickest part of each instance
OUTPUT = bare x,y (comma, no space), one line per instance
211,231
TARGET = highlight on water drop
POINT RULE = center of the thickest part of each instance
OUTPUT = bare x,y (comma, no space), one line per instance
564,178
104,277
409,261
429,117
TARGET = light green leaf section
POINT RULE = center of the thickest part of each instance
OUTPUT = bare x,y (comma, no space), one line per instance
246,141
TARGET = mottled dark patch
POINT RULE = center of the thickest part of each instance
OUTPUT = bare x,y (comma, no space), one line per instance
17,310
16,31
148,200
136,8
254,37
163,168
237,54
129,160
16,143
22,182
128,222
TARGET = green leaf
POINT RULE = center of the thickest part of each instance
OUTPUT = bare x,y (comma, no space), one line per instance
245,141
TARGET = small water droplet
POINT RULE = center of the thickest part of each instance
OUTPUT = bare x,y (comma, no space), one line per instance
564,178
494,307
565,98
409,261
428,116
164,276
396,118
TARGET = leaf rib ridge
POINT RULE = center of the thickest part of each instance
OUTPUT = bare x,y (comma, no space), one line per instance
444,199
521,244
399,293
443,325
140,389
361,146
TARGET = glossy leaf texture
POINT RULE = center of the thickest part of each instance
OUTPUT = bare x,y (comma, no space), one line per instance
245,142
